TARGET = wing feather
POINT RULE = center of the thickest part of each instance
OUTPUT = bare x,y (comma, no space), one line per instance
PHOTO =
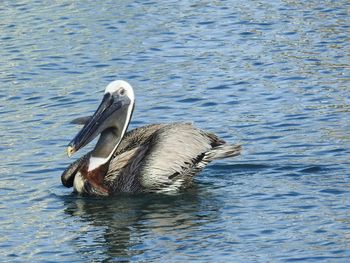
172,155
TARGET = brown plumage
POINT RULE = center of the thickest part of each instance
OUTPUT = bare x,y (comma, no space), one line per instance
161,158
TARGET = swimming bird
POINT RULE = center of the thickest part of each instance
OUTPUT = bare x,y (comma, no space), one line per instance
157,158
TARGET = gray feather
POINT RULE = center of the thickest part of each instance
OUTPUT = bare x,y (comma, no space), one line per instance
164,157
161,158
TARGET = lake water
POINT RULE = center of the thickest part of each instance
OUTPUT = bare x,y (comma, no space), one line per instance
271,75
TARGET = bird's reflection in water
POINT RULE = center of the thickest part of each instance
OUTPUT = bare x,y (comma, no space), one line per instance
121,228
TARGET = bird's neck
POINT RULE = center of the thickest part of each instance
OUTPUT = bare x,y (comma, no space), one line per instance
96,168
104,148
109,141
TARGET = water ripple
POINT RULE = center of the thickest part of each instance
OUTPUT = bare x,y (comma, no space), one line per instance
272,76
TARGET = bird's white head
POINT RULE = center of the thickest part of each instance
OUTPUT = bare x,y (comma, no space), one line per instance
121,87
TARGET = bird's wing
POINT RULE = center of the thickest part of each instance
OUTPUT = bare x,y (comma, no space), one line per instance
137,137
167,159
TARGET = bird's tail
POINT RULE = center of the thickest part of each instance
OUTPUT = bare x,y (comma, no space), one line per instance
223,151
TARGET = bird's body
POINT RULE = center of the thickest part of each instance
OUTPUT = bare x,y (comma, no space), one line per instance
157,158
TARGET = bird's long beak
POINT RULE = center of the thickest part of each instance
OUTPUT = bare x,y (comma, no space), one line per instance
99,122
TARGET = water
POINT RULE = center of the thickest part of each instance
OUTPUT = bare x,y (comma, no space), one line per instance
273,76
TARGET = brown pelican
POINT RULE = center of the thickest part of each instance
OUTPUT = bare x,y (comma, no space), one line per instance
158,158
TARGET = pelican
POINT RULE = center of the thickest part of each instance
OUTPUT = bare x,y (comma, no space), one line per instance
157,158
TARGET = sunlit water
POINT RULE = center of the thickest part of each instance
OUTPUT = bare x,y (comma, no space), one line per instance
271,75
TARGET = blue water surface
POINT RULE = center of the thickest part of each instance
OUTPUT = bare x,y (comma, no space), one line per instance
271,75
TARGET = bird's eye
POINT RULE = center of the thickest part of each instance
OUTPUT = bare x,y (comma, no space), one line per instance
122,92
